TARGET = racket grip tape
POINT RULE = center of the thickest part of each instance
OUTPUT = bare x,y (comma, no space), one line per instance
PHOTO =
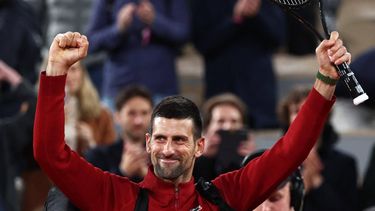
355,89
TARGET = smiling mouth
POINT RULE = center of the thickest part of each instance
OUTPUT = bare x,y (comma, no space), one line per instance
168,161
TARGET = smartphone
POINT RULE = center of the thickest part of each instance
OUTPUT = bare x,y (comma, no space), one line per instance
228,156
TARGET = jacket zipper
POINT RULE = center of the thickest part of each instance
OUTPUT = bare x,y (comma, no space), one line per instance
176,197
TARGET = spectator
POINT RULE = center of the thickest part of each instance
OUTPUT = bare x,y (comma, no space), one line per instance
88,123
20,48
347,116
142,41
368,186
288,195
330,176
222,112
17,109
19,56
237,40
127,156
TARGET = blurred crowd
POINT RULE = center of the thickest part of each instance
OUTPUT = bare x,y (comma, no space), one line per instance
131,66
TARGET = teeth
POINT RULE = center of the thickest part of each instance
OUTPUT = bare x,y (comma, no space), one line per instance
168,160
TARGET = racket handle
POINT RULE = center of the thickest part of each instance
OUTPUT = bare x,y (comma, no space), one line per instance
351,83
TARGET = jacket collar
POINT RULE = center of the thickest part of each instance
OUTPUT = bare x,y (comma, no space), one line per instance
166,193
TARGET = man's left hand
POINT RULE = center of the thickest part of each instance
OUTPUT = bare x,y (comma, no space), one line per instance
331,52
146,12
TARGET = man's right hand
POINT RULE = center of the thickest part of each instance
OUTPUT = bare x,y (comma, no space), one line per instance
134,160
66,49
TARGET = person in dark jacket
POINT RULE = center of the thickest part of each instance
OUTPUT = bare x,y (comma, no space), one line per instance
237,39
142,39
348,117
125,157
21,35
17,110
361,67
288,195
223,113
368,187
330,175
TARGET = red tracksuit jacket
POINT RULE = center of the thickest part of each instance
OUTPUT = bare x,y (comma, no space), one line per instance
92,189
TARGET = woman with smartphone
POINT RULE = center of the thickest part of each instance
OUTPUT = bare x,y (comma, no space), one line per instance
227,139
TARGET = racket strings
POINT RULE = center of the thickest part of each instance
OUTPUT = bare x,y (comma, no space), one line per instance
293,3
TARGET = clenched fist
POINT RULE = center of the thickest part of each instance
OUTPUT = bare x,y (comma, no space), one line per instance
66,49
330,52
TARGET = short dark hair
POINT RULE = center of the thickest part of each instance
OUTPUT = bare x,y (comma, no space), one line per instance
131,92
179,107
223,99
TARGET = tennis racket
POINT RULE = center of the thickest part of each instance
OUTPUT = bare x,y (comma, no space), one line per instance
346,75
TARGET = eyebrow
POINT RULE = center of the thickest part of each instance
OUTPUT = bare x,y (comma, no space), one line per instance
183,137
159,135
173,137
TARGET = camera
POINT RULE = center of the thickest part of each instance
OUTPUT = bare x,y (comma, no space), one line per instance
228,157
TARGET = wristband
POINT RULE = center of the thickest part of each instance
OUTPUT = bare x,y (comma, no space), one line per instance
326,79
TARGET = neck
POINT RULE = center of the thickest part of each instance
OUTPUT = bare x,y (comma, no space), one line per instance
176,181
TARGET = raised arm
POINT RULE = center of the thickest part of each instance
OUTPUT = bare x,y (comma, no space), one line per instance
251,185
89,188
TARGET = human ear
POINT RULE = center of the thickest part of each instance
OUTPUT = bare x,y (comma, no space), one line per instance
200,147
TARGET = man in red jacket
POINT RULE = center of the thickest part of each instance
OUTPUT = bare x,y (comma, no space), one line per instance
174,142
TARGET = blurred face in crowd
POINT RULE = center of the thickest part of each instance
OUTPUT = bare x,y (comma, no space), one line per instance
74,79
225,117
134,118
173,149
278,201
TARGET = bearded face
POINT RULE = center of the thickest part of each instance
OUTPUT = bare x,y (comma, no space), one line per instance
173,149
134,118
